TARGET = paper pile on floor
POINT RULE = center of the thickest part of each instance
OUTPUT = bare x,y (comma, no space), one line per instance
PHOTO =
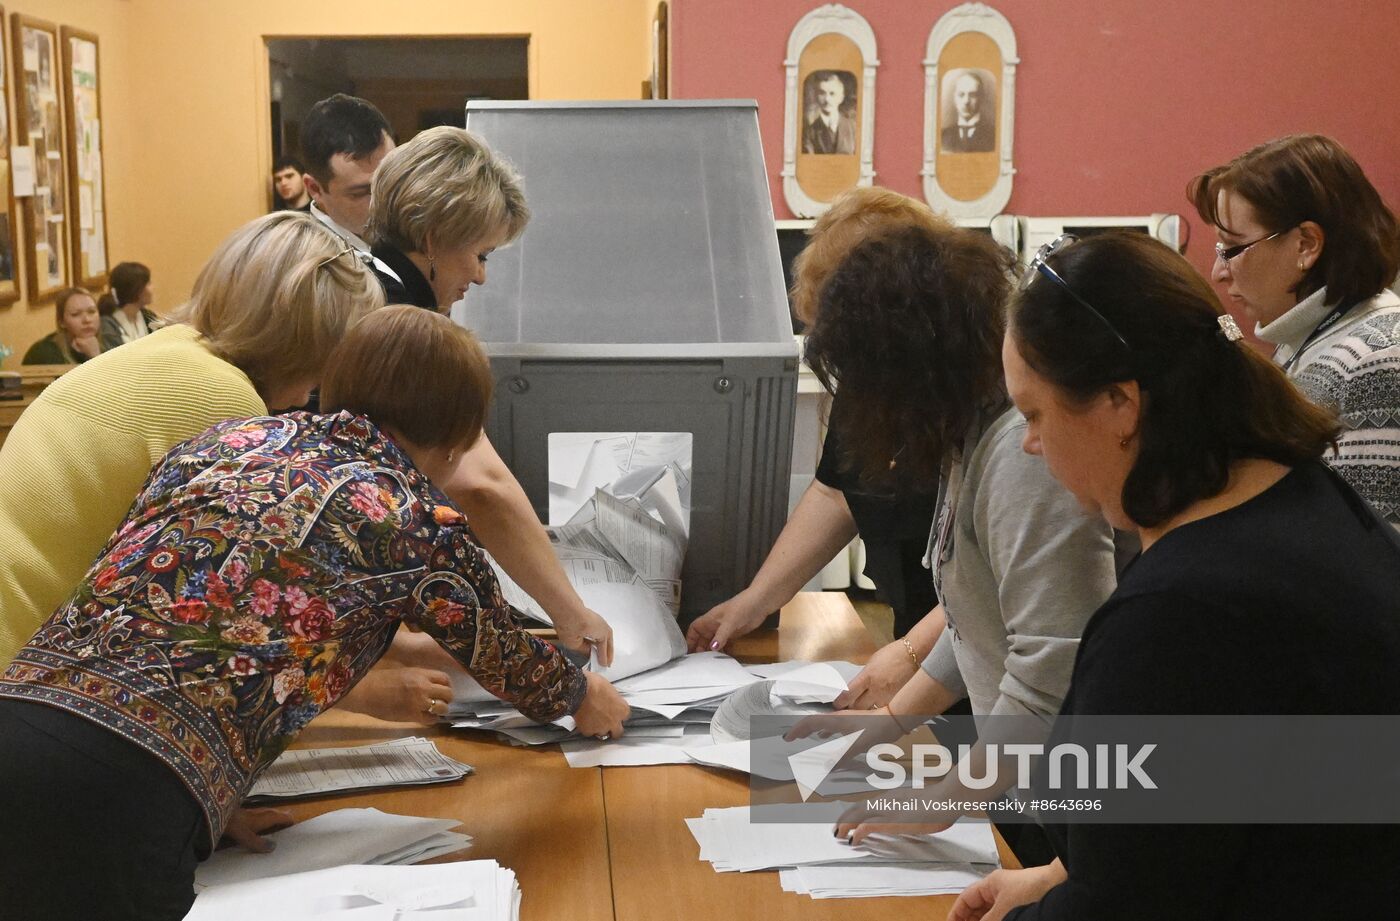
346,836
473,890
813,862
316,771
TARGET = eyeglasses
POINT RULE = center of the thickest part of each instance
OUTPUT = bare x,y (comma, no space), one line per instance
364,259
1039,266
1226,253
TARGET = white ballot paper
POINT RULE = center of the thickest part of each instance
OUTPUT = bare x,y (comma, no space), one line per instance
346,836
731,841
471,890
314,771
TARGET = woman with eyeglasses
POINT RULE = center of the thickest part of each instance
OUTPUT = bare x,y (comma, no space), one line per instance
908,326
1142,400
265,567
1307,250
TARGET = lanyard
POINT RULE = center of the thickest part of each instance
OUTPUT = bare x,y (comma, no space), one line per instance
1327,323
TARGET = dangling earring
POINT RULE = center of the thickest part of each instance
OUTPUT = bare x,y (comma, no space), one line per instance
432,270
450,455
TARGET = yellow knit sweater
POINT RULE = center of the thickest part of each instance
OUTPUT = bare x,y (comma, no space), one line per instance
78,456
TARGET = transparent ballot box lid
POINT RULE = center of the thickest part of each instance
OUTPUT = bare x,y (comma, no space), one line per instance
651,233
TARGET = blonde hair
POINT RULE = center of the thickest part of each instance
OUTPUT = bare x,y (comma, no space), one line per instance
445,188
412,370
276,297
854,217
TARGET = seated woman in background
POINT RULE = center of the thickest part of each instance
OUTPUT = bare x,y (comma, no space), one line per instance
892,519
76,339
264,568
126,312
1265,585
1308,250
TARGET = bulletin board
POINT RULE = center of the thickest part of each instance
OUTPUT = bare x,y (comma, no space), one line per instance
87,227
9,272
39,125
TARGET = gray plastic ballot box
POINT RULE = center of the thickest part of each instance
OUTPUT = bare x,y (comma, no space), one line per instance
646,295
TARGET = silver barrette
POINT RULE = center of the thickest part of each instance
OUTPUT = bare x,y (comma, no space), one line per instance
1229,327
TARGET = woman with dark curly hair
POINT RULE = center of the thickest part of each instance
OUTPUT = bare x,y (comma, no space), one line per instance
908,329
892,517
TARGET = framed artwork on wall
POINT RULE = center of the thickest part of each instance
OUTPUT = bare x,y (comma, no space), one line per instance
829,119
969,104
87,228
39,125
9,266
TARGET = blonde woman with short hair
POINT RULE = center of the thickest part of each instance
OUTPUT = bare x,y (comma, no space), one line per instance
440,205
266,311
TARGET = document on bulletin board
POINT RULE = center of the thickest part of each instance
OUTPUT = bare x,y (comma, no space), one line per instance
22,170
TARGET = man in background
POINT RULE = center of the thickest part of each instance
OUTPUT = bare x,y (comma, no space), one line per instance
288,185
832,131
975,129
343,139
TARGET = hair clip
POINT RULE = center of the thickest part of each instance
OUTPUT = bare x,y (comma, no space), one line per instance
1229,328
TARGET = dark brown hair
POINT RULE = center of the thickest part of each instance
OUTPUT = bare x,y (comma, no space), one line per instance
909,328
1207,401
414,371
1310,177
128,279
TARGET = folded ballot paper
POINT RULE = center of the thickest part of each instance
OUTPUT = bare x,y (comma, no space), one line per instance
472,890
346,836
815,863
317,771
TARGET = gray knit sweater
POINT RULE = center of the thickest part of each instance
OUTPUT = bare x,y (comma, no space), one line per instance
1353,369
1021,568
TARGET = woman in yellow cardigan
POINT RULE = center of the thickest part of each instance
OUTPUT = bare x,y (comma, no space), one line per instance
265,313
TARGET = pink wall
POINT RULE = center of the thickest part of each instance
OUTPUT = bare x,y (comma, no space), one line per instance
1118,102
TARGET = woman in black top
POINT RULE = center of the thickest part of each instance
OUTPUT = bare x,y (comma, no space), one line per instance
1145,404
440,205
892,519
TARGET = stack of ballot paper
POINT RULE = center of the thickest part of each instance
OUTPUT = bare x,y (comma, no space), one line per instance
673,706
316,771
816,863
479,890
346,836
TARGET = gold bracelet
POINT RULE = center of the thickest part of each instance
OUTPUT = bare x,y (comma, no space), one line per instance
909,648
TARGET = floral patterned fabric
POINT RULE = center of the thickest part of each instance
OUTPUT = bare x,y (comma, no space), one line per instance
263,569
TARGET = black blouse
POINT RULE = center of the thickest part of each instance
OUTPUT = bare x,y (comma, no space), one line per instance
410,287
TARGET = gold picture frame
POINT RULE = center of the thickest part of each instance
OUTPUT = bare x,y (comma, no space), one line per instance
9,261
87,228
39,122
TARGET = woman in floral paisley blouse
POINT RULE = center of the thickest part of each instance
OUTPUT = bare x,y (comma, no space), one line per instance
265,566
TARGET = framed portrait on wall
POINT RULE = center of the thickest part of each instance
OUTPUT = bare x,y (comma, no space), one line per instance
39,124
969,101
829,131
87,227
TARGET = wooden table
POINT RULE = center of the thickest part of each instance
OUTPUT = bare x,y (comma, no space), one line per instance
34,379
611,843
